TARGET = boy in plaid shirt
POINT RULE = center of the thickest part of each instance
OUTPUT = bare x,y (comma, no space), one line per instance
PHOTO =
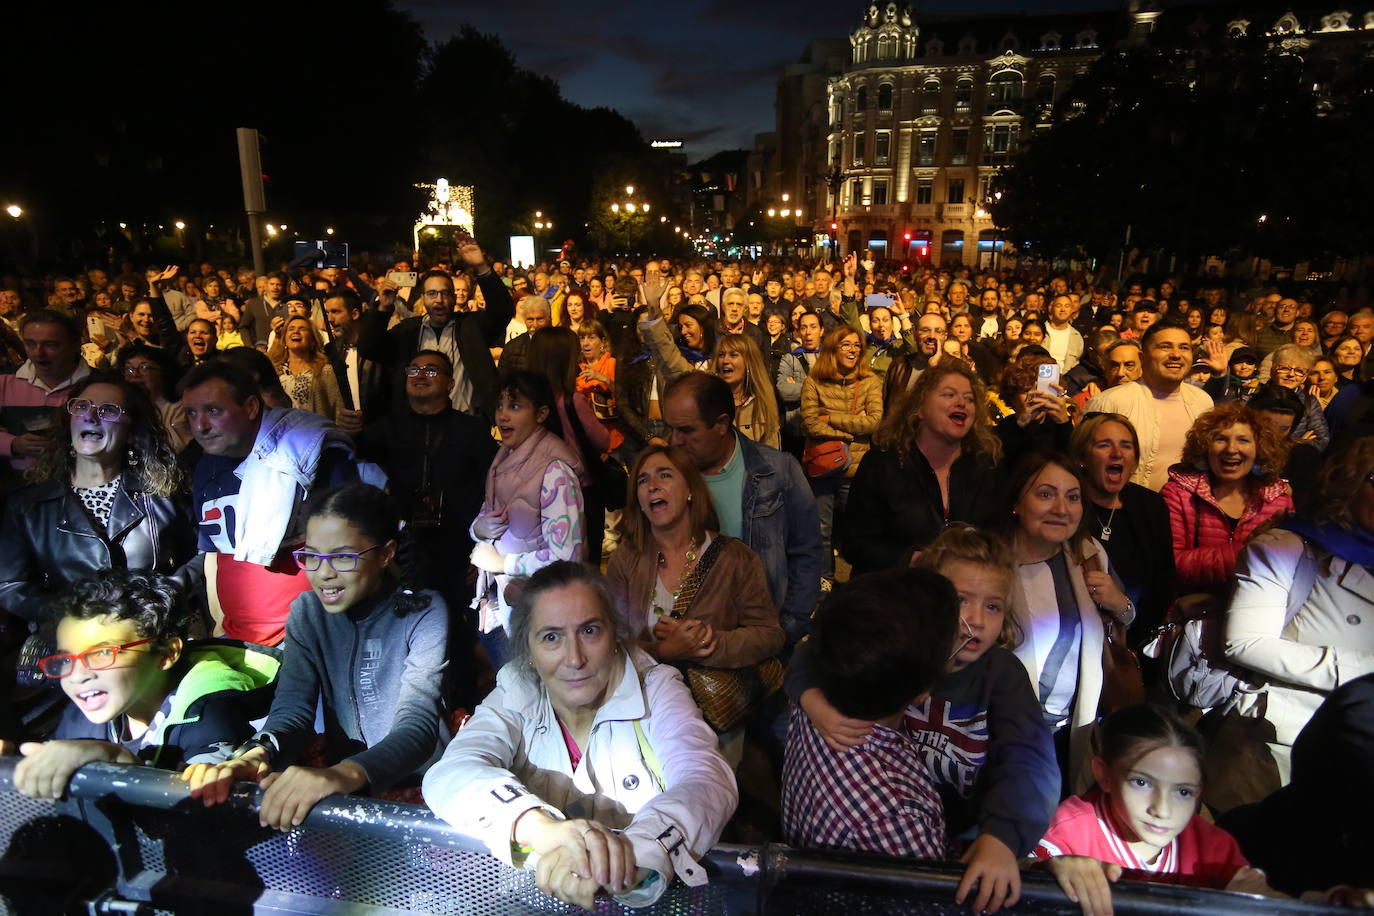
879,641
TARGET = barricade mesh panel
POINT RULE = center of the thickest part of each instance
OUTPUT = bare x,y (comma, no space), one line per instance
399,873
52,860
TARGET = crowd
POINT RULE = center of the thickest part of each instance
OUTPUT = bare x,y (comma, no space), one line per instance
605,559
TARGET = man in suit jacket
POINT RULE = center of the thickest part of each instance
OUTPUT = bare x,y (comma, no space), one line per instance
466,338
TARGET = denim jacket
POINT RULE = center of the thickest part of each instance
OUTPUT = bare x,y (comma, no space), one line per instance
782,527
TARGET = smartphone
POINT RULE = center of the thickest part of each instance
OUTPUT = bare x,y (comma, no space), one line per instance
403,277
1045,376
327,254
879,300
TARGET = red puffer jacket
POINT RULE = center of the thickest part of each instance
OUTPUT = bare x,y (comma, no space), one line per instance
1205,544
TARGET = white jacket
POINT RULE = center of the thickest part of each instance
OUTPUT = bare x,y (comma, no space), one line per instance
510,758
1135,402
1084,715
1329,642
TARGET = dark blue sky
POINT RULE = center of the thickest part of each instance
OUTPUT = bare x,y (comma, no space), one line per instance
704,72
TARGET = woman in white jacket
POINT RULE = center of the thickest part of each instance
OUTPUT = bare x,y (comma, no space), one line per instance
589,762
1301,618
1062,591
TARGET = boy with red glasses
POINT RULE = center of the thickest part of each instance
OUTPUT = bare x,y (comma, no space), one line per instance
141,694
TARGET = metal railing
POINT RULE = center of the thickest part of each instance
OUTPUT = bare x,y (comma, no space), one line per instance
131,840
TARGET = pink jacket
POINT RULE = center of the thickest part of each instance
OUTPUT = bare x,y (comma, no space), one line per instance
1205,545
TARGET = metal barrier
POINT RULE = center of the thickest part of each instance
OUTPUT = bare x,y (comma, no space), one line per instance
131,840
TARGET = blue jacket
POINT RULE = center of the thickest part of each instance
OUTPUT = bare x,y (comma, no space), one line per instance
780,524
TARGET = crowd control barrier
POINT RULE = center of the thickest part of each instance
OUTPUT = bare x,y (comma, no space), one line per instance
130,840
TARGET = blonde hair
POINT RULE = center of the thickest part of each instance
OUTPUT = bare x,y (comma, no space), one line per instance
964,543
756,380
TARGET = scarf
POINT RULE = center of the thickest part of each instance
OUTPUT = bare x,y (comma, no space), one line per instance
1352,546
691,354
880,344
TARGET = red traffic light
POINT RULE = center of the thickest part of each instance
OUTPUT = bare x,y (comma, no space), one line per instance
906,236
834,226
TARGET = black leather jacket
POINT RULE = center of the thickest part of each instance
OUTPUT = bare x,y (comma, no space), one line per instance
47,541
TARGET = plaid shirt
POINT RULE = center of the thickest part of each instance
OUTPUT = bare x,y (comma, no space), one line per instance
878,797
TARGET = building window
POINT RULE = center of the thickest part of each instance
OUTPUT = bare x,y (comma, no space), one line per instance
955,191
925,190
1004,90
930,97
998,143
885,97
925,149
963,93
1044,90
935,47
882,147
856,192
860,139
861,100
958,147
880,192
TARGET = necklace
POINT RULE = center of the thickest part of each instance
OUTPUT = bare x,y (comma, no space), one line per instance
1106,534
689,560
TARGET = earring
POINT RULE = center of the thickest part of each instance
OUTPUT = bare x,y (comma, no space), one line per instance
689,497
133,459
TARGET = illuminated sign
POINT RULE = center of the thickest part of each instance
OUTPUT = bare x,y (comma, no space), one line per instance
666,144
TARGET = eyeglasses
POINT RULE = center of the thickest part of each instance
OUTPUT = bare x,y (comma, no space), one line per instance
426,371
95,659
107,412
339,562
132,369
1290,370
850,346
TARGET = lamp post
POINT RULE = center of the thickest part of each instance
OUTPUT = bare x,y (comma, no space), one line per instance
834,179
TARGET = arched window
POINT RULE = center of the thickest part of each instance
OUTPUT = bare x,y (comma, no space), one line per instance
861,99
963,92
885,97
930,96
1044,89
887,47
1004,89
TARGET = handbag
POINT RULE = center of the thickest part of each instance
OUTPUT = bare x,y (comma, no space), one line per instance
826,459
829,457
1192,642
1123,684
726,695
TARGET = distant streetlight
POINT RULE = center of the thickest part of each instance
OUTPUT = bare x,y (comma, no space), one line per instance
615,208
124,225
271,229
772,212
630,207
663,219
329,230
538,214
283,227
180,224
786,197
629,189
786,211
15,210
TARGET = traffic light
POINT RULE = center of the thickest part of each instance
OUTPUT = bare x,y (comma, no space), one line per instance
906,236
834,227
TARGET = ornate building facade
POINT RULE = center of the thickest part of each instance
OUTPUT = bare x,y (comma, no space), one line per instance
924,114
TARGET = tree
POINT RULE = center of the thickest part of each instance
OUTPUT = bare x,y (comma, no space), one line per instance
1197,152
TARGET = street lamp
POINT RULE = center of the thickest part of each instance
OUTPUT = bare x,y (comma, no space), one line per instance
15,210
180,224
329,230
615,208
629,190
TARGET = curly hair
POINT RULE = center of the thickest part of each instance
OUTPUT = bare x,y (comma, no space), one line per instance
1271,449
1342,474
898,430
153,603
1021,374
156,470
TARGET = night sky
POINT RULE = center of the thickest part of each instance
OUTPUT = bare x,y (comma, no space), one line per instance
703,72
